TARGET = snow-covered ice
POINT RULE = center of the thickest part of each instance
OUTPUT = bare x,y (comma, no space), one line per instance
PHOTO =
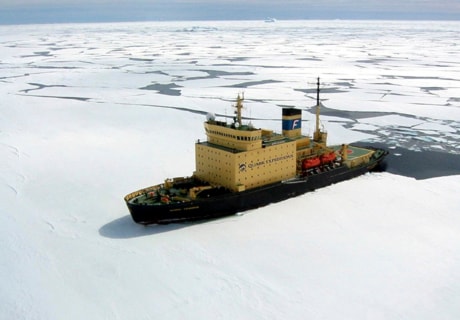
91,112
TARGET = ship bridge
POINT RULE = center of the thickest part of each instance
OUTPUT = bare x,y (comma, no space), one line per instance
241,138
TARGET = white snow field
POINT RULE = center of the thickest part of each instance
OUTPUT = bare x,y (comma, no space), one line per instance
91,112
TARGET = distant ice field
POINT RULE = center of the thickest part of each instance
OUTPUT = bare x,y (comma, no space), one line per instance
395,83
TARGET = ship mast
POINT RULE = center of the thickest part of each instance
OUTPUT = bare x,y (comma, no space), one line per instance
317,106
317,134
239,106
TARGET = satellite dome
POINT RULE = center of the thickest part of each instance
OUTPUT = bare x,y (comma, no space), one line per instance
210,116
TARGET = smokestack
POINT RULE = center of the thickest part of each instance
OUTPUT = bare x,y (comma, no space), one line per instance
292,122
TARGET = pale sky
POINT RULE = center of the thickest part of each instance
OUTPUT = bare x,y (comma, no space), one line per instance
52,11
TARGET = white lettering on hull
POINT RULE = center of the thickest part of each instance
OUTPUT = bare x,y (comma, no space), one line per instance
254,165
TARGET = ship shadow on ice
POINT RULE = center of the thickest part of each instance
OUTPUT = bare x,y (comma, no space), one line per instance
125,228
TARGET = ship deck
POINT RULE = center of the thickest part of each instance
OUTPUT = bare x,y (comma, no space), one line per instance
353,151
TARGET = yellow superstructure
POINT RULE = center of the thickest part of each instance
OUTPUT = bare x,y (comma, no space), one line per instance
239,170
240,157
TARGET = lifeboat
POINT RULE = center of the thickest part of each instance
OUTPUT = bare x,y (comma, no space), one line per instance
310,163
328,157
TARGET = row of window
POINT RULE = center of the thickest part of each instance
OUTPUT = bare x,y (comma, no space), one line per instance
239,138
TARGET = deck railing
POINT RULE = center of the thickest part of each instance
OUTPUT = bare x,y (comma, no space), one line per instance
137,193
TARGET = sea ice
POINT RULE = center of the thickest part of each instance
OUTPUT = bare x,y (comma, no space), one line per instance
379,246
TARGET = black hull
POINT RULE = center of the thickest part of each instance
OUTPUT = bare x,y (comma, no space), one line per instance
233,202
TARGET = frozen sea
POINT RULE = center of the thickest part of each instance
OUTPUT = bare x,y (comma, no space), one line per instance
91,112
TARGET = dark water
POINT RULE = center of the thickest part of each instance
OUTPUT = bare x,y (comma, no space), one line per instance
418,164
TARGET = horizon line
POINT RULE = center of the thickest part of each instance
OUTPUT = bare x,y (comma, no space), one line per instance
415,19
